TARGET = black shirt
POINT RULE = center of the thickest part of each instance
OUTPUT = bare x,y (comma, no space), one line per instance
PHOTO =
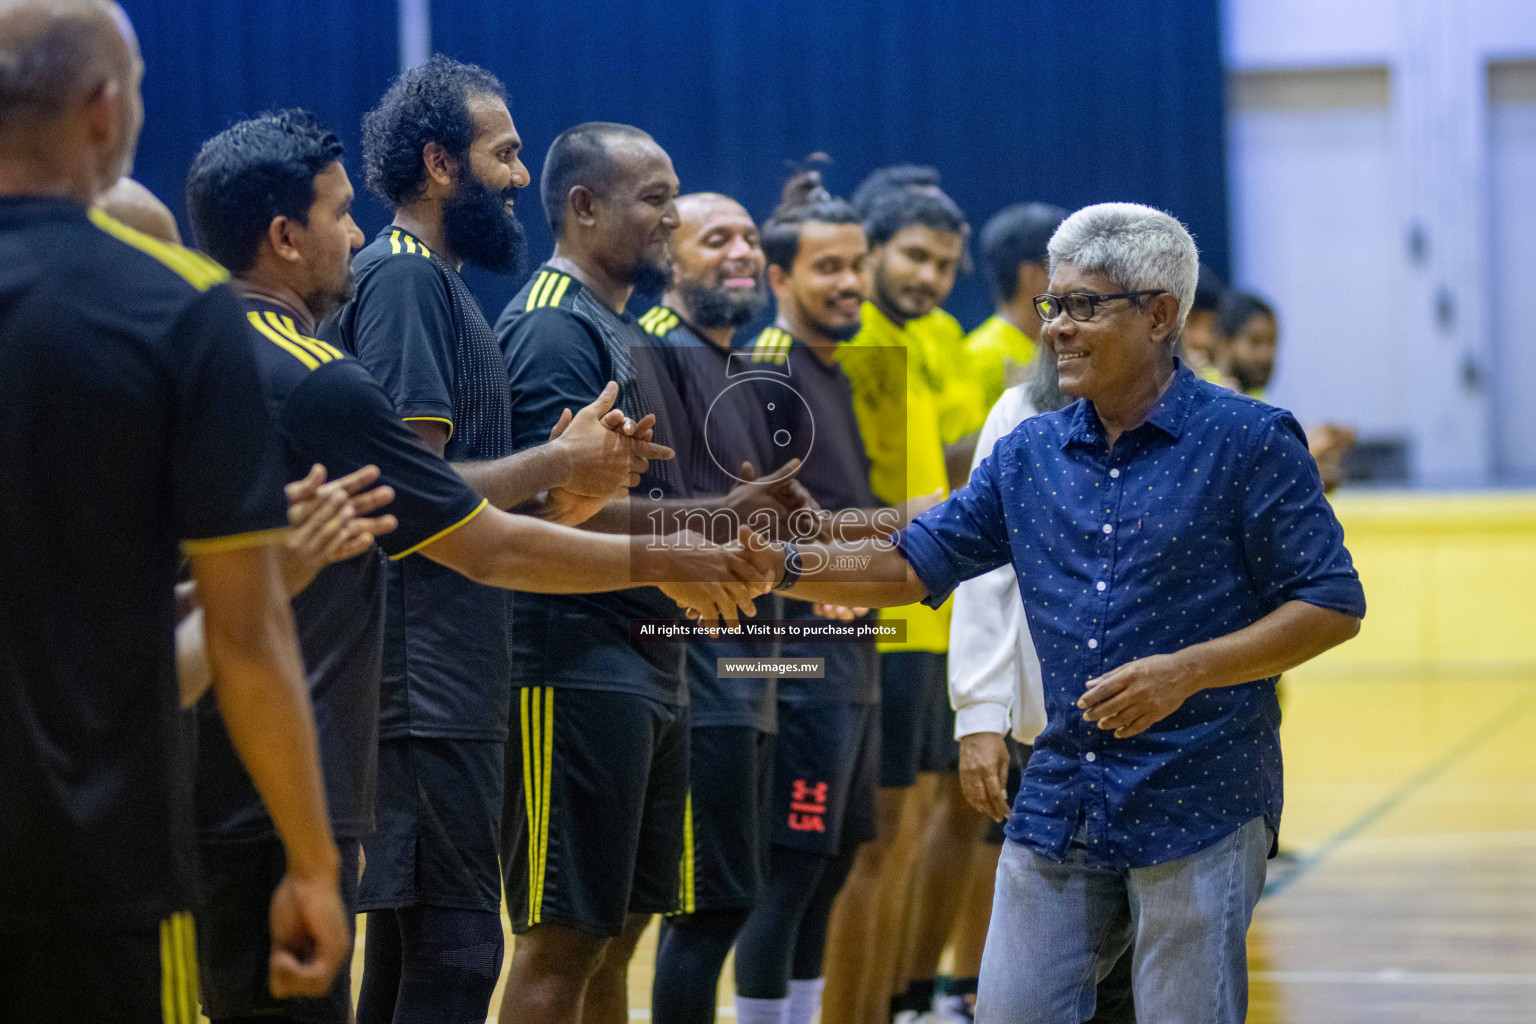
562,347
727,408
329,410
418,330
824,430
133,420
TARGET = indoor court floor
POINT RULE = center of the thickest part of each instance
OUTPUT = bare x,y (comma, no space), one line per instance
1408,895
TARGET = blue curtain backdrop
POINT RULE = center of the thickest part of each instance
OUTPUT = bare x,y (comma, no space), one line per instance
1067,101
208,64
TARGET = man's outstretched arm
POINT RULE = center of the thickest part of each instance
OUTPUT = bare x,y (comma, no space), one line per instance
258,679
857,575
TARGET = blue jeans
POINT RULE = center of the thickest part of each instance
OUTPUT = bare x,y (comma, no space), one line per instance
1058,928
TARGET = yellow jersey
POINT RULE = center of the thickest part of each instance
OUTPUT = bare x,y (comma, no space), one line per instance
990,348
896,401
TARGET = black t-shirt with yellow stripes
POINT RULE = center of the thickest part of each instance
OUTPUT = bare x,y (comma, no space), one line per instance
417,329
328,409
133,422
561,347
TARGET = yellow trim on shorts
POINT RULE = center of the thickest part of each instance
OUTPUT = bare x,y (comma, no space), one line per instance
536,713
179,997
686,865
440,534
234,542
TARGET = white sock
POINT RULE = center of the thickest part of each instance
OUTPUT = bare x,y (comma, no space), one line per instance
762,1011
804,1000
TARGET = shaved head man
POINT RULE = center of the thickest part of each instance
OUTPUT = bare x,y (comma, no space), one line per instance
132,399
134,205
70,109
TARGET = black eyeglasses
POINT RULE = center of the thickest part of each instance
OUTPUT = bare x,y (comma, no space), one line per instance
1080,305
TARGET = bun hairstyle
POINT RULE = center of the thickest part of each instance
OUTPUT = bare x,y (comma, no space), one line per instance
804,199
805,184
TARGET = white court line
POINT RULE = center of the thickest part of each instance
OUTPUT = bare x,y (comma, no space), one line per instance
1391,977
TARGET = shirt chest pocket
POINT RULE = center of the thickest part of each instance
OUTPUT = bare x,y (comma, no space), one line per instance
1186,540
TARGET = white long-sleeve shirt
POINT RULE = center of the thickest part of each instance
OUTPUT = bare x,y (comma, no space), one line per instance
994,672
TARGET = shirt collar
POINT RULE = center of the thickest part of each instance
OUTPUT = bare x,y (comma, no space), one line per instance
1169,414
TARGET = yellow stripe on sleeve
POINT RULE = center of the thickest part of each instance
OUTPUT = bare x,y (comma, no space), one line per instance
197,270
440,534
565,282
291,329
234,542
394,242
549,290
430,419
168,1012
298,352
285,327
533,293
410,245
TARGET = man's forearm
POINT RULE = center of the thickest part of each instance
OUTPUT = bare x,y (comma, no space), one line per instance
259,681
1294,633
860,575
522,477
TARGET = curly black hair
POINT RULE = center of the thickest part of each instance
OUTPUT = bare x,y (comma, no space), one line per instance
250,173
428,103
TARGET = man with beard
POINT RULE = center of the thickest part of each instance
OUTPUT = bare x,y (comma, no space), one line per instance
270,198
441,147
717,286
917,241
825,767
594,841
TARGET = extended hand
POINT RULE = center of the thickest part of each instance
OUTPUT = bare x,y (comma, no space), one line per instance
782,497
310,939
984,773
329,522
721,580
606,453
838,611
1138,694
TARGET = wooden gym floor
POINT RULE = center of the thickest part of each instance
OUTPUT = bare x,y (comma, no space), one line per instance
1410,897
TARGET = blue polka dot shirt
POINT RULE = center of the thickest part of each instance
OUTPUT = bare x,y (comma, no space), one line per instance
1199,522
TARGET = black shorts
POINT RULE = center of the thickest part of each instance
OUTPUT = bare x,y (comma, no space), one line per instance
1018,757
439,826
130,977
595,814
910,683
726,820
234,933
825,776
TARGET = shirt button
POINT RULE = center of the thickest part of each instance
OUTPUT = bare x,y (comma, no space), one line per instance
1114,472
1101,585
1090,756
1108,528
1093,645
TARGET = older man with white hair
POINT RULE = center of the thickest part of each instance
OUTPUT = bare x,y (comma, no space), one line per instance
1174,555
